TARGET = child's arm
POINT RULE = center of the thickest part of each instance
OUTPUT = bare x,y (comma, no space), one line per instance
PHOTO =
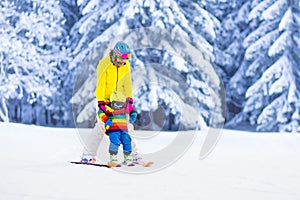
105,119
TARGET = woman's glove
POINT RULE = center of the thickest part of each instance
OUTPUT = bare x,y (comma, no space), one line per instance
129,103
104,106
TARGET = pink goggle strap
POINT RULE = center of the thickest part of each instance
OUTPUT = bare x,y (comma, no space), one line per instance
123,56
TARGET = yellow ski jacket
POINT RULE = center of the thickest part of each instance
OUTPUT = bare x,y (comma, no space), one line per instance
112,78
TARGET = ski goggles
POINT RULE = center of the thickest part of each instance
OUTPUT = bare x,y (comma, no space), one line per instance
122,56
117,105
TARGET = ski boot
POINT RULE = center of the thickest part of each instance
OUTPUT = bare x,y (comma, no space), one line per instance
88,158
113,161
136,158
128,160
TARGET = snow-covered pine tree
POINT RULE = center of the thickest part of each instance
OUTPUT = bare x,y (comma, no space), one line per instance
32,55
271,66
70,10
166,47
228,51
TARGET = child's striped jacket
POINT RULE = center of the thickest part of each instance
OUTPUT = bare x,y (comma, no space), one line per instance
118,118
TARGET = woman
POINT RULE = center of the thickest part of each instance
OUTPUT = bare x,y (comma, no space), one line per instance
114,77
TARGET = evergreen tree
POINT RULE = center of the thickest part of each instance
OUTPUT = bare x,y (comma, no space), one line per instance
271,66
33,53
166,27
228,49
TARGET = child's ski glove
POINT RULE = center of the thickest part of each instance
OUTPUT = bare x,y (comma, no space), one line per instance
108,123
133,116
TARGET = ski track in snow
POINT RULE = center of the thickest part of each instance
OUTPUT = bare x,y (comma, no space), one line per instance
34,166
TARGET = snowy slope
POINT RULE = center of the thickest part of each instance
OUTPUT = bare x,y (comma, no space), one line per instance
242,166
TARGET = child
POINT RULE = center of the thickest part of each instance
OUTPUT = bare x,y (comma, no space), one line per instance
114,115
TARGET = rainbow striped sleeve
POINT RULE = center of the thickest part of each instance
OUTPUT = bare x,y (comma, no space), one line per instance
102,116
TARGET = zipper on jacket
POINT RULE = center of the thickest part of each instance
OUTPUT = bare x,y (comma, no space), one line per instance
117,78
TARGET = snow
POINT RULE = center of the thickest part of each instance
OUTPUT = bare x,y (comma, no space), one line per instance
286,20
262,43
243,165
280,44
259,8
275,10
